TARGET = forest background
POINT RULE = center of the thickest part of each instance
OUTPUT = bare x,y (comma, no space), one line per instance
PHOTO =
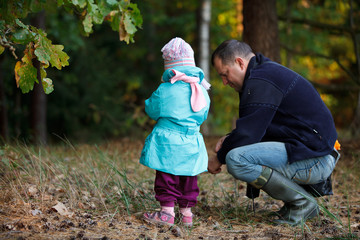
100,94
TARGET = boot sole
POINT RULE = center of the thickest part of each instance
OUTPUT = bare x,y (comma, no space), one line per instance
312,214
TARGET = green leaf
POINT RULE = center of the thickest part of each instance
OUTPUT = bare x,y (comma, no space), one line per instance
47,53
22,36
58,58
128,22
123,4
46,82
47,85
87,23
112,2
105,9
135,14
2,49
80,3
94,12
20,24
115,20
129,25
42,70
42,48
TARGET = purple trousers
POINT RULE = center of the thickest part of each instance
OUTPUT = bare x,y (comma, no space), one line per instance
171,188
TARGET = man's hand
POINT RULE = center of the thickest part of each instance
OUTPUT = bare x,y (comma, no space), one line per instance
214,165
219,143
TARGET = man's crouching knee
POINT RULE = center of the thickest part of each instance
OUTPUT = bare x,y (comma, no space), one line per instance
235,164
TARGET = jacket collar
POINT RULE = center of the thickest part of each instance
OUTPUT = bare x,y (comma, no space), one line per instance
254,61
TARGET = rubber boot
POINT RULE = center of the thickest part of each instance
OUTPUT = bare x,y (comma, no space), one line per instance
300,205
282,211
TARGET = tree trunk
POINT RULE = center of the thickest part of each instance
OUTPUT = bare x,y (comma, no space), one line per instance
4,130
288,30
355,125
204,46
38,96
261,27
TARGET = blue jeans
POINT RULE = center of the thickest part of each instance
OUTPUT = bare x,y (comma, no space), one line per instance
245,163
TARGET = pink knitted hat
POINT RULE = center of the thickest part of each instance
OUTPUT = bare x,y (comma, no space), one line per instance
177,52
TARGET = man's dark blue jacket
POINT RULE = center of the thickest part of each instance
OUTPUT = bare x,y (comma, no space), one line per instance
277,104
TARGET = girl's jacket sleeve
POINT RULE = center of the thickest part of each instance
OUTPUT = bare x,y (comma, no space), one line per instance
153,104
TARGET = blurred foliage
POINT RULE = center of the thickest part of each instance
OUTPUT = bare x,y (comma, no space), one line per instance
225,24
101,93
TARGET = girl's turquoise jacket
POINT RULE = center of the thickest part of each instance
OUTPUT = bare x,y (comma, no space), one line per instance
175,145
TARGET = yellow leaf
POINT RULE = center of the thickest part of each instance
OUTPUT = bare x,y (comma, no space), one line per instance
124,36
25,72
17,77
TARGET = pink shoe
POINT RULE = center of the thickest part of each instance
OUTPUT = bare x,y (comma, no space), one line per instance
186,220
159,217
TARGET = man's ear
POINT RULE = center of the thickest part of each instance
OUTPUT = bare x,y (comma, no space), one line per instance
240,62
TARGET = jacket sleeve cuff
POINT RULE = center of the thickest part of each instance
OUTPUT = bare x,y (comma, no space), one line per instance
221,155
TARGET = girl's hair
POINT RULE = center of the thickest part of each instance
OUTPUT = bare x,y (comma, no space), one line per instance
229,50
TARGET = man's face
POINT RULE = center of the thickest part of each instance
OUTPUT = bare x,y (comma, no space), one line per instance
232,74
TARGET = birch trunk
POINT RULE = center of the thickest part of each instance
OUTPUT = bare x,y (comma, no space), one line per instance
204,46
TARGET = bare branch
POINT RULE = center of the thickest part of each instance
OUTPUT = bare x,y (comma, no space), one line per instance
6,44
337,28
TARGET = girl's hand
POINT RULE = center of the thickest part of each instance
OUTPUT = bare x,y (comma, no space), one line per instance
214,166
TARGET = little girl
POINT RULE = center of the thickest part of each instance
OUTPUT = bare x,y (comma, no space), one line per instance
175,148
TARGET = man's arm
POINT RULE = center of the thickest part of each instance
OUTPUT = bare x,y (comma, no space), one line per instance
259,102
219,143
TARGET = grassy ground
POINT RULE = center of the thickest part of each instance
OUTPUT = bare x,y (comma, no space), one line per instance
99,192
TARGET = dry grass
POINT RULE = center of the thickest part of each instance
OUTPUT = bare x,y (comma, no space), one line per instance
104,189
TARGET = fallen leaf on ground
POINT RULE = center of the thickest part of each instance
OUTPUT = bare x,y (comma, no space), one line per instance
35,212
62,210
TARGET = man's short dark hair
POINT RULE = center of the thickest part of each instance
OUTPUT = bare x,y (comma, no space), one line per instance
229,50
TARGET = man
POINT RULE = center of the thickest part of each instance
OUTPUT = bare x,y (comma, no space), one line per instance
284,136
